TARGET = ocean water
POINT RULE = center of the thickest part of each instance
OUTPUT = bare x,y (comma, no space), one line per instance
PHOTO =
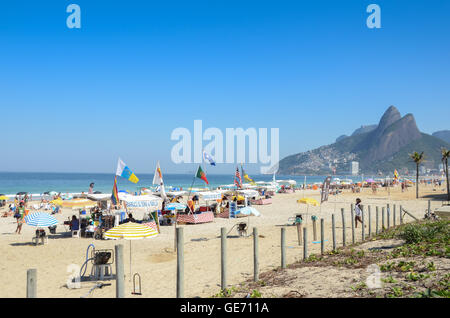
37,183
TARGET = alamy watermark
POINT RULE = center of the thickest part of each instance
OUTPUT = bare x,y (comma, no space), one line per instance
190,147
374,19
73,21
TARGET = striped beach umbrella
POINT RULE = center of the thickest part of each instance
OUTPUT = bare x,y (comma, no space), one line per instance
130,231
40,219
74,203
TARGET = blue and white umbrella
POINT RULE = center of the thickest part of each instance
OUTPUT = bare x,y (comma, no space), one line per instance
247,211
175,206
40,219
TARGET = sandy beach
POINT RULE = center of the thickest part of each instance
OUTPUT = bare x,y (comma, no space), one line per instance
154,259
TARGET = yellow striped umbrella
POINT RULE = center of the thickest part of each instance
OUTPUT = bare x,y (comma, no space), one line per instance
3,198
308,201
74,203
130,231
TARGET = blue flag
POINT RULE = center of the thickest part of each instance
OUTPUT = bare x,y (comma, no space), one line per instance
207,157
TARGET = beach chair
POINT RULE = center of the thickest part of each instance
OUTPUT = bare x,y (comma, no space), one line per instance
76,233
40,235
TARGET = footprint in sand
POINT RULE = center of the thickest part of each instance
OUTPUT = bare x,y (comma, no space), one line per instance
161,258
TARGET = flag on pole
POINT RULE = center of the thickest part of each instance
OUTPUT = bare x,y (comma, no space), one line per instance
158,179
125,172
325,190
237,178
246,177
395,175
115,193
201,174
156,219
208,157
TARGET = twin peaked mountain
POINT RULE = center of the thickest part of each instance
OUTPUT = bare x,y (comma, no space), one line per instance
383,147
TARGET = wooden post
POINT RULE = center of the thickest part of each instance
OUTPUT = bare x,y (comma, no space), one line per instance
120,273
370,222
333,228
180,261
314,230
401,214
255,255
224,258
353,226
382,219
305,243
322,237
299,233
377,221
406,212
343,226
32,283
429,208
363,234
283,247
388,216
395,215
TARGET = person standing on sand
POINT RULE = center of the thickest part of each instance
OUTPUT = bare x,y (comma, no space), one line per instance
358,212
20,212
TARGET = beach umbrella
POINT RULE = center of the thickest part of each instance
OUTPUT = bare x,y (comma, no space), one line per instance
130,231
139,201
370,180
308,201
247,211
175,206
74,203
21,193
3,198
40,219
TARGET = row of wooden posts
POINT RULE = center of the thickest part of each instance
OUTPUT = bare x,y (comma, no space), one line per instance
302,239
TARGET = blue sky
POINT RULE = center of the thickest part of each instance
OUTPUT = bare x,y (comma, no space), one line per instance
74,100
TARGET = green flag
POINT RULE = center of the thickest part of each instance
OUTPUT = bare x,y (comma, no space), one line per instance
201,174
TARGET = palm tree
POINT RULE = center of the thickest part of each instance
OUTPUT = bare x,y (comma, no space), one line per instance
418,159
445,156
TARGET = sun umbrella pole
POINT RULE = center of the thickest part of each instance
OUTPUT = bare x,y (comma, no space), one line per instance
130,262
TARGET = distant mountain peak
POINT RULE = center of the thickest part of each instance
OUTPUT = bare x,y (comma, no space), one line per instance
383,147
390,116
443,135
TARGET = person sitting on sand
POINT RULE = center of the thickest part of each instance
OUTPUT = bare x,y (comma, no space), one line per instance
358,212
131,218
